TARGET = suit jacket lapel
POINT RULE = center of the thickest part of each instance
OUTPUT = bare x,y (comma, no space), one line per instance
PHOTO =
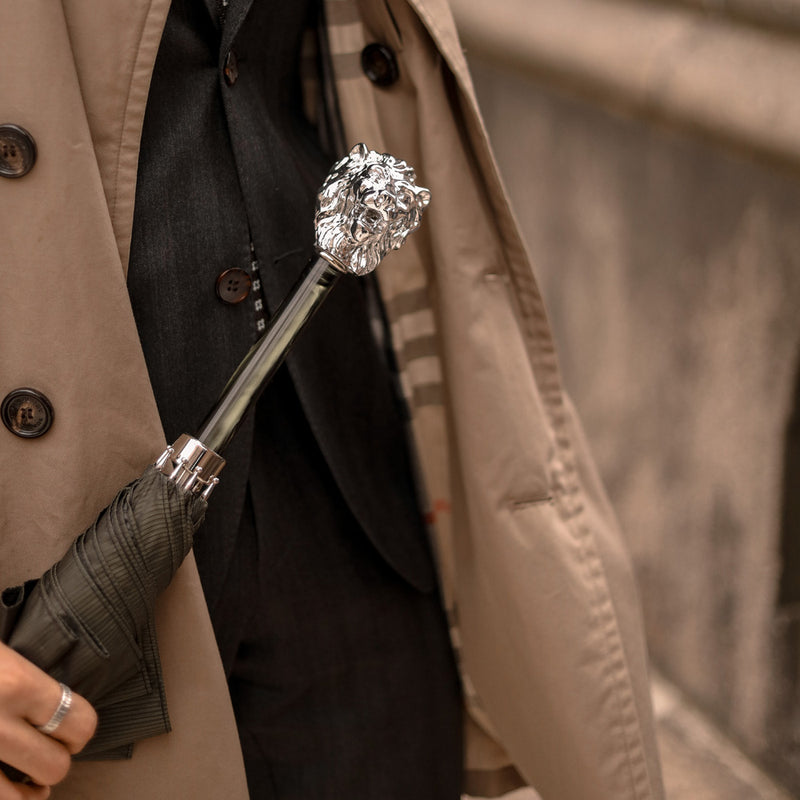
339,378
228,18
213,10
235,14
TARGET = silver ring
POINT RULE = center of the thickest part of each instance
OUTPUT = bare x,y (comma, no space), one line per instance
64,705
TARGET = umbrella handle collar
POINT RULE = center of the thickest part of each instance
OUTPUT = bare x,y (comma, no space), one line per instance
191,466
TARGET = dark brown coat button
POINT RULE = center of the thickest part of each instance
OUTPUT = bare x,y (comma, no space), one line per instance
17,151
233,285
27,413
380,64
231,68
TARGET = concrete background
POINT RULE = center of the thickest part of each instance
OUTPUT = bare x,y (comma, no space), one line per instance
670,259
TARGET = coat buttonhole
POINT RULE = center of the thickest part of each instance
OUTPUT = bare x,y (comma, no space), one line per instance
527,502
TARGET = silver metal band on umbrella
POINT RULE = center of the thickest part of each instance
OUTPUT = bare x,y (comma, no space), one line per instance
64,705
367,206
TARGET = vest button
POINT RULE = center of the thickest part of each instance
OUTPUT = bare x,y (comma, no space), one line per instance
27,413
231,68
233,286
17,151
380,64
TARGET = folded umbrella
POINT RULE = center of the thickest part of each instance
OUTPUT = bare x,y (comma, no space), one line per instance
89,620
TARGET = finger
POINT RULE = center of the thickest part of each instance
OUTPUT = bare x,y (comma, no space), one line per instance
45,760
76,728
9,790
28,692
21,791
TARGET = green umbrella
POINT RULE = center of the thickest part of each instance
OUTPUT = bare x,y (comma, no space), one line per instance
88,621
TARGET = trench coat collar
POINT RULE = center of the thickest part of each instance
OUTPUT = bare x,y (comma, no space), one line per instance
437,18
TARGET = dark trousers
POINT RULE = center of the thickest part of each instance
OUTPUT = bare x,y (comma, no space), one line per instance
341,673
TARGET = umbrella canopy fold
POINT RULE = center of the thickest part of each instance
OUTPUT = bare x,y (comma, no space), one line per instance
88,621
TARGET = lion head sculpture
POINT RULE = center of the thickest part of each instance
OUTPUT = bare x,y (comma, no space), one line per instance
367,207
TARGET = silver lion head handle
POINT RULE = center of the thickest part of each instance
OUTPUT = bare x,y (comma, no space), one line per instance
367,206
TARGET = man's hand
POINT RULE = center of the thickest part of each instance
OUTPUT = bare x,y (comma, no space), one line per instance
28,697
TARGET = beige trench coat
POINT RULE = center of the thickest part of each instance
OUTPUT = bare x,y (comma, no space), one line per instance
536,580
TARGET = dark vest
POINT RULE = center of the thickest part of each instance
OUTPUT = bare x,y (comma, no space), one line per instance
228,175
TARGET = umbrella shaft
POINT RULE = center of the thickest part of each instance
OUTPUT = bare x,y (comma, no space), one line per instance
267,354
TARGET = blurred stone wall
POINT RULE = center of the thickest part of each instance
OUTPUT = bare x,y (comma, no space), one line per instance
668,248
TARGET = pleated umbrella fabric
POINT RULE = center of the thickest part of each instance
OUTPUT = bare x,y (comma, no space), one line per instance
88,621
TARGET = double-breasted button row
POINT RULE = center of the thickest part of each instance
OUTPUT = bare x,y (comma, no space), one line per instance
17,151
379,63
27,413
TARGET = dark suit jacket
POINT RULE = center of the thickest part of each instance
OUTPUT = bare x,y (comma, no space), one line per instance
216,191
